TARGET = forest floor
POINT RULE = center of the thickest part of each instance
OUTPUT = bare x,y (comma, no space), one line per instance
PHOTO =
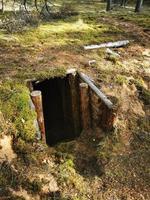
97,165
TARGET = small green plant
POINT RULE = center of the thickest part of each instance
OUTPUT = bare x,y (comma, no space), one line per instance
139,82
113,59
121,79
69,176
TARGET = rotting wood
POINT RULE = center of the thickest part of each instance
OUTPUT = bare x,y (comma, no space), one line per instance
85,111
109,115
75,102
108,45
96,90
37,100
108,118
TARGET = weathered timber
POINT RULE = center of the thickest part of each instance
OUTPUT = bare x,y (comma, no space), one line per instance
35,123
95,110
96,90
37,101
73,82
108,118
85,110
108,45
103,111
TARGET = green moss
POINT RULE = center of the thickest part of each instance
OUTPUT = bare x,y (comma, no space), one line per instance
42,74
69,176
112,58
109,146
14,104
121,79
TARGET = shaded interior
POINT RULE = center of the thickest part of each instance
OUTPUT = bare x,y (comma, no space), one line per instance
57,108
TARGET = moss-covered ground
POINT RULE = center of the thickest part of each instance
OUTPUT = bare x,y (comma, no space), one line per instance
98,165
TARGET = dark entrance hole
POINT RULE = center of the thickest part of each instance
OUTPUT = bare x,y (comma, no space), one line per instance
57,108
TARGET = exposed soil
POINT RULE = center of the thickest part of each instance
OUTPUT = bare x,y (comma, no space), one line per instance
6,151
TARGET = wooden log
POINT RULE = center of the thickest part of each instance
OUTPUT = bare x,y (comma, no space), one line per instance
102,96
85,110
103,111
108,118
108,45
36,97
109,115
95,104
35,123
74,90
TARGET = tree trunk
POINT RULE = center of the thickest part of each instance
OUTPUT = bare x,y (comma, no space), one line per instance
2,6
123,3
109,2
138,5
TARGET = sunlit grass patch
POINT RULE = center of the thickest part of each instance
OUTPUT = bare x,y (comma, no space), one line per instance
52,33
79,32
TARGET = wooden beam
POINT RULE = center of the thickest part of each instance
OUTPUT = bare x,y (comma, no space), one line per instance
36,97
96,111
85,110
